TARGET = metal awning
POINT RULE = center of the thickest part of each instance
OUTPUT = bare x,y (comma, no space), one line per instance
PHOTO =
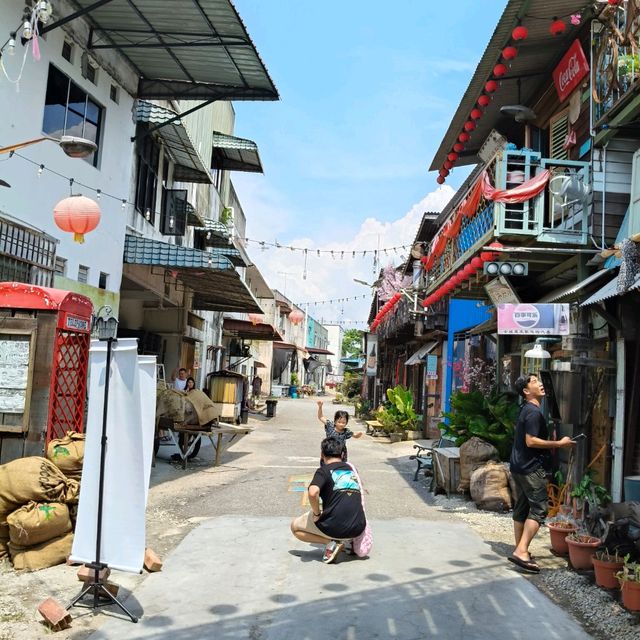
571,290
610,290
194,217
284,345
215,283
537,57
183,49
235,154
488,326
250,331
319,351
417,357
188,163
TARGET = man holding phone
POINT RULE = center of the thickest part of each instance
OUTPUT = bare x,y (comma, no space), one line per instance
529,462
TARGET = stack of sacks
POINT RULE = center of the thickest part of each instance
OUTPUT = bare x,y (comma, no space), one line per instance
34,519
68,455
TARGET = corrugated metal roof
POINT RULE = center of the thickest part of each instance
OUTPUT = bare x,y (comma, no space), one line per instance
537,56
189,166
571,289
610,290
191,49
235,154
418,356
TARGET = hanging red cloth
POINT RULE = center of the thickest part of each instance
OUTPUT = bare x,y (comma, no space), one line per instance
469,206
451,231
525,191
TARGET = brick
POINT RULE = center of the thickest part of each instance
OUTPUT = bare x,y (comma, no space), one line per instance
151,561
54,614
111,587
86,574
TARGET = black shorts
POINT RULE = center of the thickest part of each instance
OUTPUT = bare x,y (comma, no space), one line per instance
532,502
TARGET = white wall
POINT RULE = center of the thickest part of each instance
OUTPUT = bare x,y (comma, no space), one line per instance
32,198
335,334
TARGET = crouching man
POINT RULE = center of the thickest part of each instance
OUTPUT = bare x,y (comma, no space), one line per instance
341,517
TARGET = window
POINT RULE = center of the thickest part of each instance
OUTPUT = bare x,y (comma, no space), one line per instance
89,69
147,179
558,130
68,110
61,266
83,274
114,94
67,51
103,280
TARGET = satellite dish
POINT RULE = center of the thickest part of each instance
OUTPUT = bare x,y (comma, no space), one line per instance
518,112
417,251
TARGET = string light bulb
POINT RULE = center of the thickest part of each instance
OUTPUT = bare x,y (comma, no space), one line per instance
44,11
40,170
11,45
26,30
124,203
171,221
98,194
147,214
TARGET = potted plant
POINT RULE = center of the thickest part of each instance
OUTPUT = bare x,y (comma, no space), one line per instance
629,579
588,491
582,548
558,532
606,566
293,388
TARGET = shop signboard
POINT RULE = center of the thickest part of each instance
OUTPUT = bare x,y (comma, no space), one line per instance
432,367
533,319
570,71
372,354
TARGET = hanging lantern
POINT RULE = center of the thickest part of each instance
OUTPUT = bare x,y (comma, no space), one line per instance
440,179
490,86
458,147
296,317
469,125
464,137
520,33
484,100
477,263
488,256
255,318
447,164
500,69
476,114
444,172
509,53
452,157
557,27
77,215
469,270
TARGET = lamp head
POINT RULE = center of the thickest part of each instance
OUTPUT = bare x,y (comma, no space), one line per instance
76,147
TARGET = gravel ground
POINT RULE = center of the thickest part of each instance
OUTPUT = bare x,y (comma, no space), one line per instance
599,610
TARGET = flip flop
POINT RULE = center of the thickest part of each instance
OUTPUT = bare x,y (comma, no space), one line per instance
525,565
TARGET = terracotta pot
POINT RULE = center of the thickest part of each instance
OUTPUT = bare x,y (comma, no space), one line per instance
630,594
606,573
581,553
558,534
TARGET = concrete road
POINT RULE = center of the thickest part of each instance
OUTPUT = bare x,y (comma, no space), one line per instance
241,575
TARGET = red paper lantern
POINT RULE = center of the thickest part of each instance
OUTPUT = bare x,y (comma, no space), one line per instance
464,137
440,179
557,27
500,69
484,100
469,270
509,53
469,125
488,256
444,172
458,146
477,263
296,317
256,318
447,164
476,114
490,86
77,215
452,157
520,33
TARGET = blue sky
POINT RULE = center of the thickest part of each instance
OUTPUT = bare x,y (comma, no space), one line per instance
367,92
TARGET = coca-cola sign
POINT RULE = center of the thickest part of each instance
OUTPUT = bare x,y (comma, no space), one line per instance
570,71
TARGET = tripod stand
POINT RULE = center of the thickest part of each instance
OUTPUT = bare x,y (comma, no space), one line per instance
96,586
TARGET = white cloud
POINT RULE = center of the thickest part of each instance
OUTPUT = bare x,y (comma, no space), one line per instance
332,278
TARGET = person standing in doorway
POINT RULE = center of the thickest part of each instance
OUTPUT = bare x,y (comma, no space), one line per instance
179,381
256,387
529,465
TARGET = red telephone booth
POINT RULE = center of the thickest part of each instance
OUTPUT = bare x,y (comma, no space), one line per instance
44,355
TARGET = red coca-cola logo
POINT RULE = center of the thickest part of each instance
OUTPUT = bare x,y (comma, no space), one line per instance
570,71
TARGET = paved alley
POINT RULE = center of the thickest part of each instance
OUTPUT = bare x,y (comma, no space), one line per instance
240,574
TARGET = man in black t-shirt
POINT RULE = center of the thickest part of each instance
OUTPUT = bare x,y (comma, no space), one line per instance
529,461
342,516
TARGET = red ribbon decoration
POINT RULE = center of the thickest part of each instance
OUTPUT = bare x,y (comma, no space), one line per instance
525,191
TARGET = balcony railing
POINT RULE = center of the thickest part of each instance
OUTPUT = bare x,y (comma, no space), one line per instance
558,214
616,67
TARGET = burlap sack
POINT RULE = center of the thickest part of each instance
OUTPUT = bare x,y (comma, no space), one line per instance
473,454
72,492
38,522
68,453
490,487
47,554
513,487
27,479
4,541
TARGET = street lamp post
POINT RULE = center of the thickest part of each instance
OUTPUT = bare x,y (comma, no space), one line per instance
73,146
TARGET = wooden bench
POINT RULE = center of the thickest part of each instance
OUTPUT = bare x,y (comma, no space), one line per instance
374,428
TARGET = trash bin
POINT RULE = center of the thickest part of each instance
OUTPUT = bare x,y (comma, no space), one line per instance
271,408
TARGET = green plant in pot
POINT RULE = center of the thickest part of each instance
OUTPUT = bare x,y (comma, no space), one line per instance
629,578
582,548
558,532
588,492
606,565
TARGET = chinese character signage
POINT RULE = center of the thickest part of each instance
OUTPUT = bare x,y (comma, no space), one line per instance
372,354
570,71
533,319
432,367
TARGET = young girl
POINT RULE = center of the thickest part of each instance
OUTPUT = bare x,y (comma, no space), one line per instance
337,428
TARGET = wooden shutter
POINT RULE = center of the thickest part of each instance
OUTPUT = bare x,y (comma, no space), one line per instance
558,130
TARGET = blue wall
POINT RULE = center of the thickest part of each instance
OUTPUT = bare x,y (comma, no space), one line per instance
463,314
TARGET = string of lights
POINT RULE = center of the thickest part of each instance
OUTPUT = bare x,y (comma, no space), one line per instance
333,300
335,253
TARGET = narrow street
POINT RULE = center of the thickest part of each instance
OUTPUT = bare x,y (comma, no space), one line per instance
239,573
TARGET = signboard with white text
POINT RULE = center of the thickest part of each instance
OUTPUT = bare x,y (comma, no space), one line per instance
570,71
